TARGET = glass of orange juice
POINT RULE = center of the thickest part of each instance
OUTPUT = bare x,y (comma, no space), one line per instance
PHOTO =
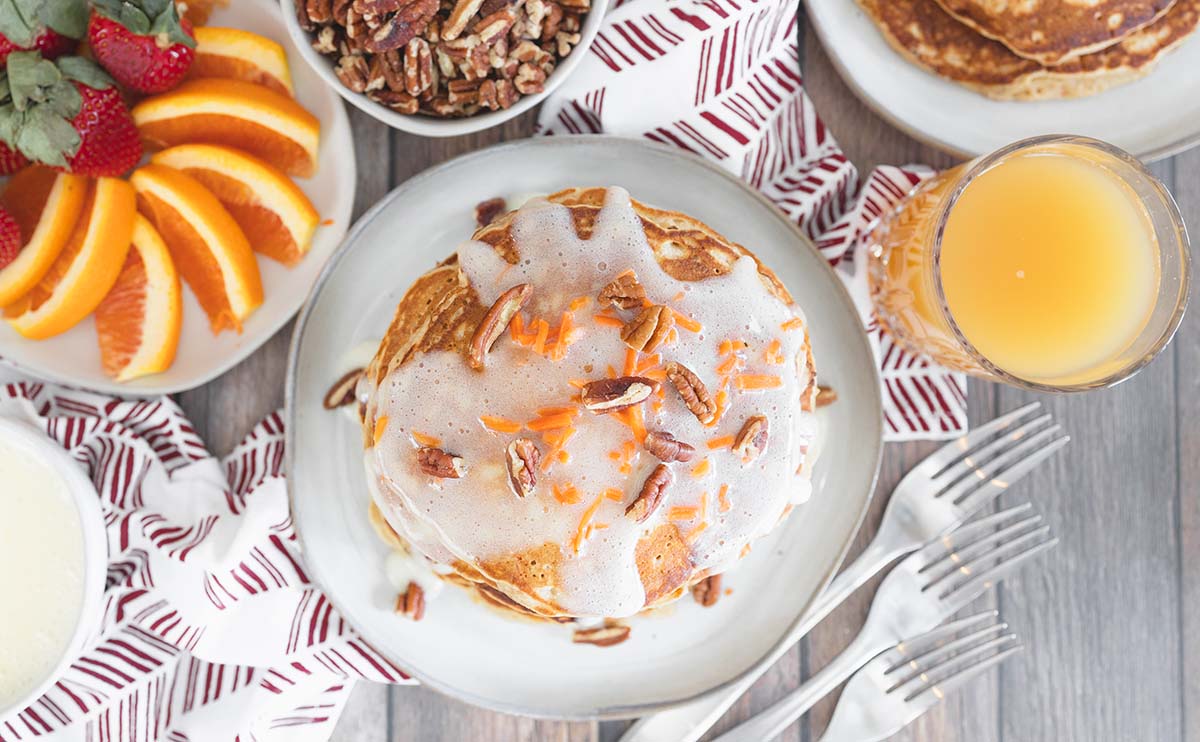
1059,263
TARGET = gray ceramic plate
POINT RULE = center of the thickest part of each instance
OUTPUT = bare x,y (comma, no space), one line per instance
467,650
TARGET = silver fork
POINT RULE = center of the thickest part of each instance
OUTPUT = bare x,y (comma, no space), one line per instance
901,684
937,496
923,590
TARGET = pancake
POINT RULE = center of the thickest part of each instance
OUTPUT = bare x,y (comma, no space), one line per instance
572,546
1054,31
928,36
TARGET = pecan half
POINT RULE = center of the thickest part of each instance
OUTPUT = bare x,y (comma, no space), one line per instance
521,459
751,440
624,291
602,636
826,395
437,463
495,322
651,495
666,447
487,211
408,23
646,331
342,391
464,10
609,395
411,602
693,392
706,592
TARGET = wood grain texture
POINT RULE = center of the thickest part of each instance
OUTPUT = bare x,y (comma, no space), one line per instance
1111,619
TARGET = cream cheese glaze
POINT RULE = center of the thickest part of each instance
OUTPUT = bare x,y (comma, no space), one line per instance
719,502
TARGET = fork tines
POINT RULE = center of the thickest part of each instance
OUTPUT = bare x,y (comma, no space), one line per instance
937,662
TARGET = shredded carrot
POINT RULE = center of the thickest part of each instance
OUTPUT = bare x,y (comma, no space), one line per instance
547,411
607,319
634,420
561,342
682,513
672,337
677,296
757,381
561,420
539,342
579,302
567,494
701,469
728,365
612,372
613,494
585,523
563,456
498,424
516,328
577,383
772,354
724,441
745,551
703,505
380,426
658,374
600,526
722,400
558,441
723,498
631,361
695,532
647,363
686,322
795,323
614,455
431,441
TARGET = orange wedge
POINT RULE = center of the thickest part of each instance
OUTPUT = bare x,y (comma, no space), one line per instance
85,269
254,118
46,204
208,247
138,322
276,216
240,55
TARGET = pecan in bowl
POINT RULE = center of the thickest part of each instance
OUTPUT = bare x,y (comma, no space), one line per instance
442,58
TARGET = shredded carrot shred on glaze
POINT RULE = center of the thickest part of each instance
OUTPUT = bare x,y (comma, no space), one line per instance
577,383
692,534
723,499
607,320
548,411
647,363
682,513
658,374
499,424
543,332
579,302
772,354
686,322
566,494
432,441
516,328
722,400
677,297
561,420
795,323
380,426
631,361
614,455
581,535
633,418
612,372
757,381
703,505
613,494
724,441
728,366
701,469
600,526
672,337
563,457
564,334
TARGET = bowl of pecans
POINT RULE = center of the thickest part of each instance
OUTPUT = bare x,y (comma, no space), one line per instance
443,67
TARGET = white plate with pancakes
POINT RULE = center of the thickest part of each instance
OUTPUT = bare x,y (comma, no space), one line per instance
74,356
1152,112
470,650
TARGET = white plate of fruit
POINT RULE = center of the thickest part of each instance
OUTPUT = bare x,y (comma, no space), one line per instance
174,188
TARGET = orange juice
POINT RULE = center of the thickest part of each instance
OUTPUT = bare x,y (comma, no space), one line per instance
1049,266
1055,263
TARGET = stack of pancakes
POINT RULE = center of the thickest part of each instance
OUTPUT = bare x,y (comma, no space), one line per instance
1035,49
574,544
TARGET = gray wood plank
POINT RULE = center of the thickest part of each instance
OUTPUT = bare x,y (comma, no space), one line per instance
365,718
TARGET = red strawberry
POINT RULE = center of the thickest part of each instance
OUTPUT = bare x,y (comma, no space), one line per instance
10,238
11,160
143,44
49,26
67,114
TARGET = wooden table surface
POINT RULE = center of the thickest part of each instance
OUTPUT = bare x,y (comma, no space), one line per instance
1111,618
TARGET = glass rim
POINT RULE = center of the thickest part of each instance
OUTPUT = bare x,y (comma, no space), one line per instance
982,164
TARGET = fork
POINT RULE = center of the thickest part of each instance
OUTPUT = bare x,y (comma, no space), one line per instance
923,590
938,495
896,687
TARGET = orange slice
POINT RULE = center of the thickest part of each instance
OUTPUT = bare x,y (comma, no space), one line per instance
276,216
208,247
241,55
254,118
85,269
46,204
138,322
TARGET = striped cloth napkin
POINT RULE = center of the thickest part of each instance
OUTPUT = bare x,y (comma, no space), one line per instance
721,79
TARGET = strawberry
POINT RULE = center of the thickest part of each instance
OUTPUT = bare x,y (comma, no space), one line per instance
10,238
67,114
50,26
11,160
143,44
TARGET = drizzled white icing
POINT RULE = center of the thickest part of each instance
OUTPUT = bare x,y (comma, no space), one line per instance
477,518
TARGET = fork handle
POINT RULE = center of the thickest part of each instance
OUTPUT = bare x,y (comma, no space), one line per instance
780,715
689,721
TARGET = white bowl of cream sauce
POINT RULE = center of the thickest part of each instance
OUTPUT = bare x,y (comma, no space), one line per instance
53,562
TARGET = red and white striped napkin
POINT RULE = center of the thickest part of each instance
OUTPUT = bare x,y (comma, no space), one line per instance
211,629
721,79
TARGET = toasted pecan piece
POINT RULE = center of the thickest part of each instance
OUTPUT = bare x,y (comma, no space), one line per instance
649,329
693,392
610,395
495,322
654,489
666,447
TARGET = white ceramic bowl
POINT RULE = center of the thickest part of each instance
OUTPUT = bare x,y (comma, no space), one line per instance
34,443
430,126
